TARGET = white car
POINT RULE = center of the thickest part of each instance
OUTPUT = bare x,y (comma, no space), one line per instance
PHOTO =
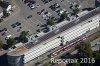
7,37
61,11
32,6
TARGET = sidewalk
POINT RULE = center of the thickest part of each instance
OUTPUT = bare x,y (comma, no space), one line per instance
2,52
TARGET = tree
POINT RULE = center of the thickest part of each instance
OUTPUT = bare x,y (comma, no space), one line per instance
1,44
64,16
46,64
73,64
5,14
97,55
84,50
51,22
23,34
11,41
23,37
76,64
76,10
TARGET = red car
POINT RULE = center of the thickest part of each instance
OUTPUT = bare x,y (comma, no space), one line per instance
39,13
3,33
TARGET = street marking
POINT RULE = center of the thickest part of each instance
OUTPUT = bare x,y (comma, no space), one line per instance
28,22
9,17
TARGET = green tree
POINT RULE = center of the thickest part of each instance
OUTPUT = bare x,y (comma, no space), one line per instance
73,64
5,14
76,10
97,55
23,37
64,16
76,64
46,65
50,22
1,44
23,34
85,50
11,41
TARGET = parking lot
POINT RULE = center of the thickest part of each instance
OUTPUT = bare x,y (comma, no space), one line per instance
31,17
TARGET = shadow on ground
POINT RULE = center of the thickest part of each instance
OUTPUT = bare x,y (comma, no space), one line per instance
3,60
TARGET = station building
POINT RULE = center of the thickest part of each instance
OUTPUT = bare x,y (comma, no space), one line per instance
53,39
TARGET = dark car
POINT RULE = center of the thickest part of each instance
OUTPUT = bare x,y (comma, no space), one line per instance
38,13
3,33
13,25
1,20
18,24
46,1
4,29
0,30
53,7
32,2
27,1
29,4
29,16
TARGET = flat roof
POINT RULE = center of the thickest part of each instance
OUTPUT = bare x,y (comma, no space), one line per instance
16,52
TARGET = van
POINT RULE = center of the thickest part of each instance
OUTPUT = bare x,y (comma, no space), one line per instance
7,37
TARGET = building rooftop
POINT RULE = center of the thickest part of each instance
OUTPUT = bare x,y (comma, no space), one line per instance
23,49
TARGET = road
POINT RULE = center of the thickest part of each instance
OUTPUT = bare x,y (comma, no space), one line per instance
94,44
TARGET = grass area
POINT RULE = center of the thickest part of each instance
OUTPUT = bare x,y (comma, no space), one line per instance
71,50
46,64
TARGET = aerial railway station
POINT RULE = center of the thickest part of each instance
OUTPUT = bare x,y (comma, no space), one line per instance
56,38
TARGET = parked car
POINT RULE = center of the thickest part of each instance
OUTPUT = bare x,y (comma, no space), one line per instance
61,11
32,2
32,6
29,16
41,12
8,36
46,1
55,7
4,29
18,23
1,20
26,1
13,25
3,33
